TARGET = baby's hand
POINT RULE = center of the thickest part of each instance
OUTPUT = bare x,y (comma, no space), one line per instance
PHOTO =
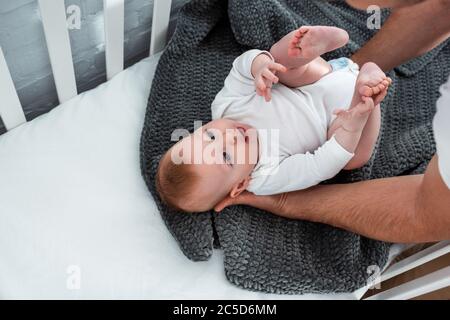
355,119
265,77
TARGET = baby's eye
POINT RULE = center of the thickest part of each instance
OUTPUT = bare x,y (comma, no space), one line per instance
211,135
226,157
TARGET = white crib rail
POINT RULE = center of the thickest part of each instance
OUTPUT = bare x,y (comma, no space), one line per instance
431,282
10,109
426,255
415,288
53,13
160,25
114,11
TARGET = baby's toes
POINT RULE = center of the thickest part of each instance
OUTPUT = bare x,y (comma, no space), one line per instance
376,89
293,43
299,32
302,30
389,81
296,37
366,91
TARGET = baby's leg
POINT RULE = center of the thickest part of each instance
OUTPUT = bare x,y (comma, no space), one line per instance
367,141
300,52
371,82
349,127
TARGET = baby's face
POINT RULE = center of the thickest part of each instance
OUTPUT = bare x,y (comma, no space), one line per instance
223,153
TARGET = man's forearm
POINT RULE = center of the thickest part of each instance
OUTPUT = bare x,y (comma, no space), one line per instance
382,209
399,209
407,33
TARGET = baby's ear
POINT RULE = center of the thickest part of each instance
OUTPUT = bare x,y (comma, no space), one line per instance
239,187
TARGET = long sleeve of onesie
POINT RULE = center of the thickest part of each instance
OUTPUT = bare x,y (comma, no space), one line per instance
301,171
238,84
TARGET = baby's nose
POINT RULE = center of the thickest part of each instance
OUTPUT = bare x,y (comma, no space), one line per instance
232,136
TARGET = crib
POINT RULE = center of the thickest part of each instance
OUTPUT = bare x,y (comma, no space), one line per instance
53,13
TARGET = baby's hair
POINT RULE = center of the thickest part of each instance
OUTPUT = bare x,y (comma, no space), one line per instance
174,183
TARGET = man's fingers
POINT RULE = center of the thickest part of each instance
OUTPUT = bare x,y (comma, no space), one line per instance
244,198
273,203
228,201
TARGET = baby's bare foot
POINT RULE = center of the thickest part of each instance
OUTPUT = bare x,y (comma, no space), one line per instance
372,82
313,41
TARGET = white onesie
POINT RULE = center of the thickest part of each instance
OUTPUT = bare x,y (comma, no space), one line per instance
292,128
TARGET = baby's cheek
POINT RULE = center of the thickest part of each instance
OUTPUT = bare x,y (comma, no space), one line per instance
252,153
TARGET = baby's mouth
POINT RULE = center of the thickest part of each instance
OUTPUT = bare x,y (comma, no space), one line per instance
242,131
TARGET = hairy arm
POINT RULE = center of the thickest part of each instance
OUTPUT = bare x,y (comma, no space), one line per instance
399,209
409,32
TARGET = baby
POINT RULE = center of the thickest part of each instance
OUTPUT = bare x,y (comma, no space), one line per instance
285,120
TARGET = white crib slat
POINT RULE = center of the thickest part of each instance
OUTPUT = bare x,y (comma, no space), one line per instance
114,36
435,251
420,286
53,15
11,110
160,25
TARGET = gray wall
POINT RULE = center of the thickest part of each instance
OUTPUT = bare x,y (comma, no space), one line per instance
23,43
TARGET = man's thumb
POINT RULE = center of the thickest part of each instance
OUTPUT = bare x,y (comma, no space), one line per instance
227,201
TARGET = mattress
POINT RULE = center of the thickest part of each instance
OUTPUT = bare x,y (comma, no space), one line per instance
76,219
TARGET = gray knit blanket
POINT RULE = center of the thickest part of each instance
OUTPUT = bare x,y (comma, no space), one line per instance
262,251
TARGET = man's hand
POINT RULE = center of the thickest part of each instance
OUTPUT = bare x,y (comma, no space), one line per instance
264,71
398,209
273,203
